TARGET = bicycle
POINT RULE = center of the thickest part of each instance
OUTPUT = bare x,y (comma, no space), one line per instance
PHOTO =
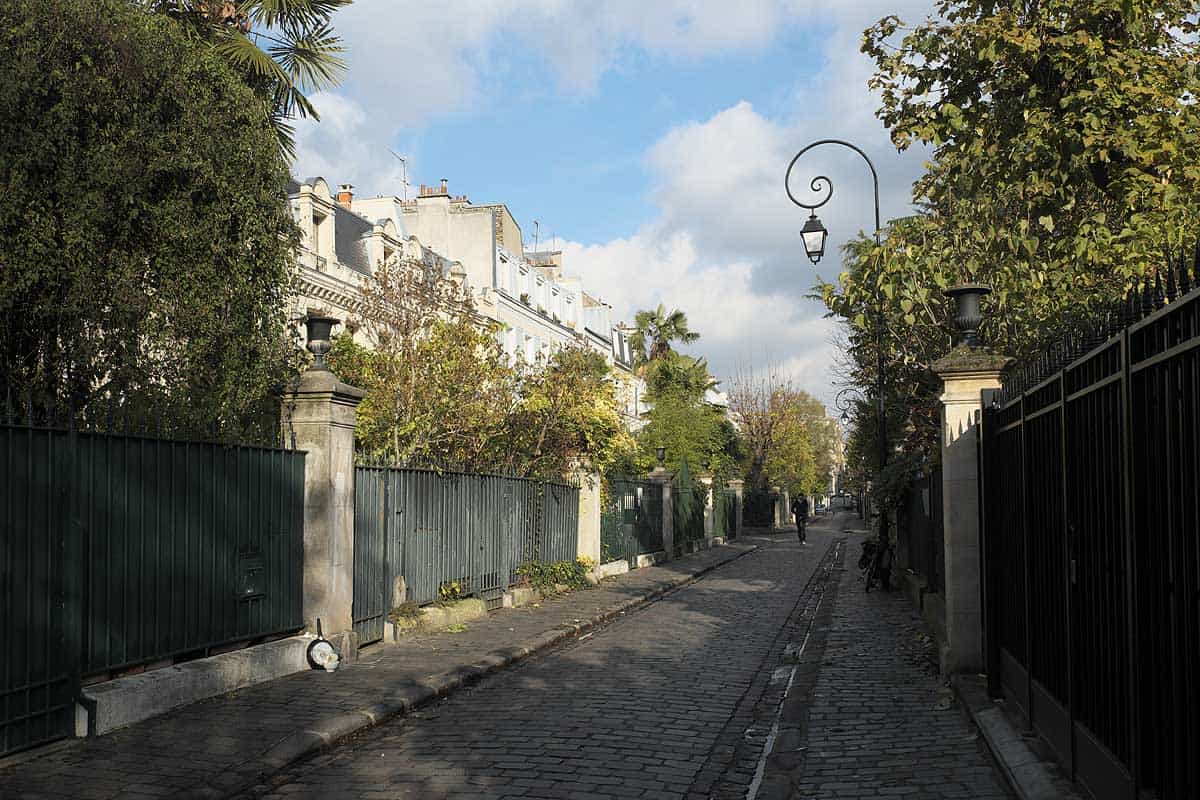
876,565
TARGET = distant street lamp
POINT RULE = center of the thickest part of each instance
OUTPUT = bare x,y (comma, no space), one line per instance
814,235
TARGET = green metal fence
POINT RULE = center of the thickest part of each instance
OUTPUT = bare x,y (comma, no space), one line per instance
123,550
725,514
688,500
631,522
451,535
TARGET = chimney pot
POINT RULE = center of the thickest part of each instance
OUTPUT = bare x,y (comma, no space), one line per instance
444,189
345,194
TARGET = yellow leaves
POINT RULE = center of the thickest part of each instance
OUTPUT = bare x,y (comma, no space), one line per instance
1047,222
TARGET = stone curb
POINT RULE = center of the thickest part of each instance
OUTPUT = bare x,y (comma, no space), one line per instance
1026,773
330,731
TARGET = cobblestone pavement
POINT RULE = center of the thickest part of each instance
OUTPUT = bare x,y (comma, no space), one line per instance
875,719
206,746
637,709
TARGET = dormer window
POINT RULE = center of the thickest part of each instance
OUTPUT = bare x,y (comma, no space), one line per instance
319,237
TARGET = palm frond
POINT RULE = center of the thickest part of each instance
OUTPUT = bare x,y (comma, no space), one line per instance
277,13
310,57
243,54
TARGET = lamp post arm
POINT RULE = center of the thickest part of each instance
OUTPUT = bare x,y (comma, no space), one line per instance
822,183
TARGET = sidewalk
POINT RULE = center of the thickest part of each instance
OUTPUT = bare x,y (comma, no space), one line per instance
219,746
868,715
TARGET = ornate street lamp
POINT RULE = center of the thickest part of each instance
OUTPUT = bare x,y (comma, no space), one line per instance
814,235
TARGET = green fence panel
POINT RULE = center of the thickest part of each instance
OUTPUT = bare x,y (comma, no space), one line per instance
119,551
725,514
631,521
453,534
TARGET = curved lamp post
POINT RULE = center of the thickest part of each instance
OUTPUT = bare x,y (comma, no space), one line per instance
814,235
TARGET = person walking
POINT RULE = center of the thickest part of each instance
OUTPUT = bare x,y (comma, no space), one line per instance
800,512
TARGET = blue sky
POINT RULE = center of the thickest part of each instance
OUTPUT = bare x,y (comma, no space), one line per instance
649,137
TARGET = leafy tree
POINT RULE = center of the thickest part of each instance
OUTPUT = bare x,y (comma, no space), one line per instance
682,421
1066,157
439,388
282,48
786,436
1065,145
656,330
441,391
566,418
145,239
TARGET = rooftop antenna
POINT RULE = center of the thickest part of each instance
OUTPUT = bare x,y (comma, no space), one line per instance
403,172
535,235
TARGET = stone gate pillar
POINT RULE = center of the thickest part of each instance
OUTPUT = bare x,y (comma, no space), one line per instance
588,543
966,372
661,477
739,489
318,416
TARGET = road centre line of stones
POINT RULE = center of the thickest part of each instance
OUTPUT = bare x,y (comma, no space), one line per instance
824,570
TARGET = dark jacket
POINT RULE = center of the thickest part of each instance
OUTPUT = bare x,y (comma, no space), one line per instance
800,507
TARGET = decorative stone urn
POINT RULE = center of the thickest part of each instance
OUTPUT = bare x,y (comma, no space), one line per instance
320,332
967,315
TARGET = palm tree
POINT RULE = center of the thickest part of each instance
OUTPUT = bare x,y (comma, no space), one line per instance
655,330
283,48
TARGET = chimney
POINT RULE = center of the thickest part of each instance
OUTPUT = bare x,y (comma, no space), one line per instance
345,195
444,189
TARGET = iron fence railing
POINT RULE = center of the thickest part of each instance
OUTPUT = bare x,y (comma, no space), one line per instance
919,533
450,535
122,550
631,522
1092,544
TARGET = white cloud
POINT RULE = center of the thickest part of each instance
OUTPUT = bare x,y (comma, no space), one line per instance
725,245
417,62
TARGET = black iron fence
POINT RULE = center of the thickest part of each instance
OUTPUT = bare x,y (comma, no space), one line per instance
451,535
123,550
919,545
1091,512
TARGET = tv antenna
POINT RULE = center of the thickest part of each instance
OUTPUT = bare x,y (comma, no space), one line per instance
535,235
403,173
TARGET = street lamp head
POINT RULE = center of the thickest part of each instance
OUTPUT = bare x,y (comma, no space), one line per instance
814,234
845,417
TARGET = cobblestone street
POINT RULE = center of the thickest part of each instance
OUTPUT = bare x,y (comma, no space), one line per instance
670,702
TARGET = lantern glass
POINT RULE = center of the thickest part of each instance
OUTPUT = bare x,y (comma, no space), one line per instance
814,234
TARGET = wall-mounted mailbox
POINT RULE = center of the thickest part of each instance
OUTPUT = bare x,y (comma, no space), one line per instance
252,575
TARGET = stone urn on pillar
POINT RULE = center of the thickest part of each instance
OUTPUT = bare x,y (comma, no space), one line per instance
967,313
319,415
319,331
966,372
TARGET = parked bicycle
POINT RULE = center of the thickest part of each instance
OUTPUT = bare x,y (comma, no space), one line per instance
875,563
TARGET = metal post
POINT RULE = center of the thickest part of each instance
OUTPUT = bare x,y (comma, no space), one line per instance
880,379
